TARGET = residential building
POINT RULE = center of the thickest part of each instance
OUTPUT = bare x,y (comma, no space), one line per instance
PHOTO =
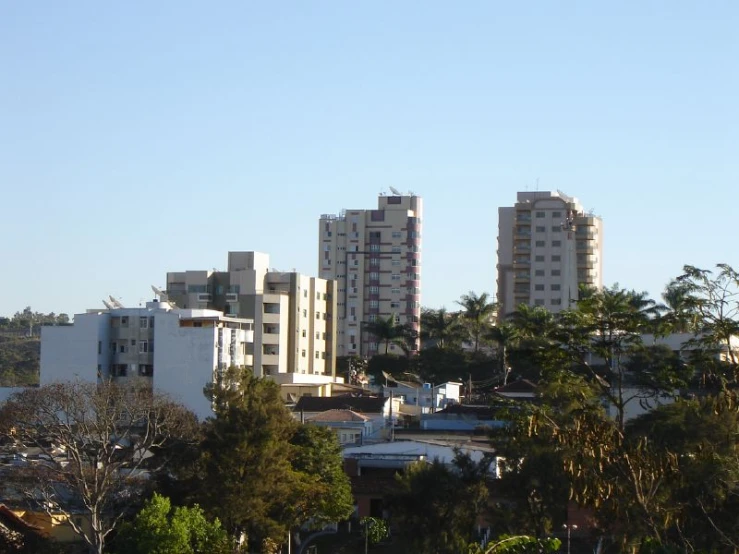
375,258
547,247
423,398
379,410
350,427
174,351
294,323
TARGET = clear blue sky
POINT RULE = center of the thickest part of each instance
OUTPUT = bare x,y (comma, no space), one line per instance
141,137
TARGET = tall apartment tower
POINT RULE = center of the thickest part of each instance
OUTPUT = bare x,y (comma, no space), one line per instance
547,246
375,258
293,314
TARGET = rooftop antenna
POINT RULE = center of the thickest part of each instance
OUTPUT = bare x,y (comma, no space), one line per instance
115,302
537,184
395,191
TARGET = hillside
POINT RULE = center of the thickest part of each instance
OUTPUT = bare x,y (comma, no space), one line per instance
19,360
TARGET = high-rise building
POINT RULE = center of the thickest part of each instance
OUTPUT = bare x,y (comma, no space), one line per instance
171,350
375,258
294,324
547,247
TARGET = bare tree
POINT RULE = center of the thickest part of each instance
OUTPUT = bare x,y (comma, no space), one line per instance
99,445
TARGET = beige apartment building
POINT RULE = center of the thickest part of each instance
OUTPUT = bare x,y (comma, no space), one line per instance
375,258
547,246
294,314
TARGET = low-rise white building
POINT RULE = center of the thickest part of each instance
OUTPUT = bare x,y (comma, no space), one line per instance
175,351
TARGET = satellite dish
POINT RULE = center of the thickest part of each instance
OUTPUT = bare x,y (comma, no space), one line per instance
395,191
115,302
108,304
160,293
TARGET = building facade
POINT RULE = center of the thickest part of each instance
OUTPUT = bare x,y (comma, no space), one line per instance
375,258
294,314
174,351
547,247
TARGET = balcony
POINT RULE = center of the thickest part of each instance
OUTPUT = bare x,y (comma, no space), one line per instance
587,261
522,247
523,217
522,276
270,338
521,262
586,232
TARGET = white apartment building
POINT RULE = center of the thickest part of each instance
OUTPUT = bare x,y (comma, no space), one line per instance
294,325
547,246
375,258
174,351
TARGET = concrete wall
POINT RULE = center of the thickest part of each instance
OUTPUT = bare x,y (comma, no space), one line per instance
184,362
71,352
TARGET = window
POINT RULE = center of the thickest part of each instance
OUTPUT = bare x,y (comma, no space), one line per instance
318,296
374,247
395,304
374,275
556,273
124,321
305,313
143,322
556,228
318,315
133,342
397,234
318,354
539,258
541,243
374,304
372,318
539,273
395,276
318,335
556,258
305,334
395,291
305,293
555,287
538,287
374,289
233,289
556,243
396,249
143,347
395,262
303,353
539,214
538,302
556,214
540,229
122,349
556,301
374,261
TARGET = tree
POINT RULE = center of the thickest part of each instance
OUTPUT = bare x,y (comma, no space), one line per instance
319,456
161,529
478,315
436,507
505,335
387,331
441,327
106,435
261,473
711,302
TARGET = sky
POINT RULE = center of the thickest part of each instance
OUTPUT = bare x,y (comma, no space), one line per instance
139,137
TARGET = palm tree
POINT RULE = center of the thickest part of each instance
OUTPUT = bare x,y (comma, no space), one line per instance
441,326
478,314
505,335
388,331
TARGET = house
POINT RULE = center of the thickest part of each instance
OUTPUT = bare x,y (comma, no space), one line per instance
372,467
16,532
461,418
350,426
377,409
520,389
423,398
